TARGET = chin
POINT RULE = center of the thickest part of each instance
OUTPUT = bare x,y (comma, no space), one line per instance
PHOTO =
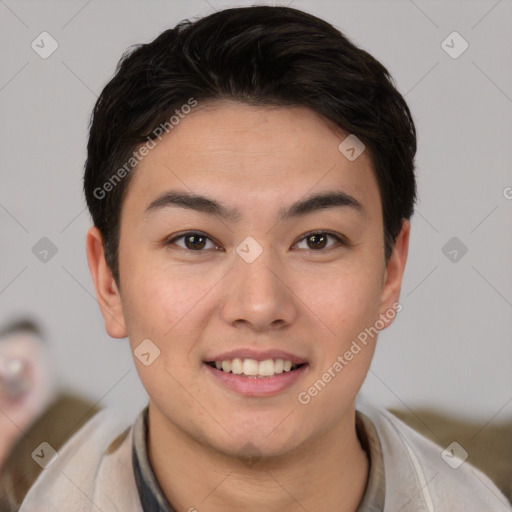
259,441
252,451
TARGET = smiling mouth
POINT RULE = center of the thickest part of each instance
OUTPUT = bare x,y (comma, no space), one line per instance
251,368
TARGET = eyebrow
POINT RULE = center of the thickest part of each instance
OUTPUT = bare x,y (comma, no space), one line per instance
311,204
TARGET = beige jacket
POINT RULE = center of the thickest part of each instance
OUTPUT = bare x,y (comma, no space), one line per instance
93,471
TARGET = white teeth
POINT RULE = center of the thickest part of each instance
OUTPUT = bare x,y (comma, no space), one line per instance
266,368
236,366
252,368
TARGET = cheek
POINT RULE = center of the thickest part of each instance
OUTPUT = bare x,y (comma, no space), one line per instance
161,309
167,307
344,354
346,299
152,300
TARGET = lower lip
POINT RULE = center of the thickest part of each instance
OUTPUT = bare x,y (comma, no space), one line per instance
254,386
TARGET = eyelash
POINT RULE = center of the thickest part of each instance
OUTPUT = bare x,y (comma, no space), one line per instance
339,239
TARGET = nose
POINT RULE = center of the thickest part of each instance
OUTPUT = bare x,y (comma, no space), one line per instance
259,295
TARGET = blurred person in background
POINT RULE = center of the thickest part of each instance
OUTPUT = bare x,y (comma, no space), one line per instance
32,410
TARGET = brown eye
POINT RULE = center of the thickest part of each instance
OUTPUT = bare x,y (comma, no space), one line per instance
193,241
317,241
320,239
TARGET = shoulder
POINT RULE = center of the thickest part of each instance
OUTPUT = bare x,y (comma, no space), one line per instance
86,472
423,476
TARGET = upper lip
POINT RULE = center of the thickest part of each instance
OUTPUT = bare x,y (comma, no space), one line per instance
258,355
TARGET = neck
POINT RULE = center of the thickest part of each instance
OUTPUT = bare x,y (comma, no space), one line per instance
328,473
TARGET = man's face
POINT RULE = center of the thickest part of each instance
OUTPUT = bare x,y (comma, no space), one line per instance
212,296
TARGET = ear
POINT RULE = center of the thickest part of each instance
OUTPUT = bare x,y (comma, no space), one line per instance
107,293
393,274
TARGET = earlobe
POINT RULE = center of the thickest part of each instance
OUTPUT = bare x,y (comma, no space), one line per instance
394,272
107,292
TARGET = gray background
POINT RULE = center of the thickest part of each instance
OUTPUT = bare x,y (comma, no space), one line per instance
451,344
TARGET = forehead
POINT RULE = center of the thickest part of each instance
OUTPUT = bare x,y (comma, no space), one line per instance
18,344
239,153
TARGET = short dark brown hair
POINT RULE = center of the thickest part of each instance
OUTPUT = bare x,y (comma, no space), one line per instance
260,55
